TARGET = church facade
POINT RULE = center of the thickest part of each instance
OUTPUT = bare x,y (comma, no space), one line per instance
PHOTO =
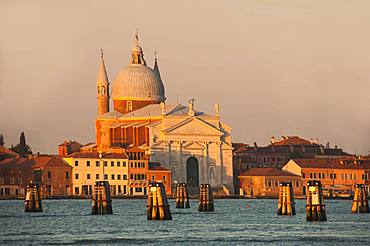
194,145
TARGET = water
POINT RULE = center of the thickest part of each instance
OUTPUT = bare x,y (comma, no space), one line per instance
232,223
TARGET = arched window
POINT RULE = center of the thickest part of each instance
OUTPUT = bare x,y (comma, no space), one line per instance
103,90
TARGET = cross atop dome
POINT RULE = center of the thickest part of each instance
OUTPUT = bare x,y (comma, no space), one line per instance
137,56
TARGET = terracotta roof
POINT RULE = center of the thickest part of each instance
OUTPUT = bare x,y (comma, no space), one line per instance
96,155
49,161
6,151
18,163
268,171
293,140
333,163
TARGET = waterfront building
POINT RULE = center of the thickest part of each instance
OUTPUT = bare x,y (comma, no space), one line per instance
53,175
193,145
159,174
15,174
337,176
278,152
87,168
264,182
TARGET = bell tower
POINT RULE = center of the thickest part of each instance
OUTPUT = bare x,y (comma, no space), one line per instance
102,85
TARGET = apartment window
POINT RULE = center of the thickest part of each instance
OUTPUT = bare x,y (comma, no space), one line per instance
354,176
269,183
129,106
132,165
319,175
143,164
119,189
105,176
342,175
118,176
19,180
314,175
153,178
105,163
323,175
118,163
87,163
345,176
76,163
310,175
331,176
164,177
303,175
97,163
350,176
131,176
296,183
112,176
124,177
67,175
49,174
77,190
96,176
135,164
276,183
2,180
112,163
76,176
272,158
138,189
124,189
335,176
88,176
124,164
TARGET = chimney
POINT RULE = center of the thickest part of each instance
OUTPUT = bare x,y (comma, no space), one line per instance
255,147
327,145
336,146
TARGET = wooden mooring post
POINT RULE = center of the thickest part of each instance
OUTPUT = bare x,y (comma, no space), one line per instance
286,204
32,201
182,196
101,200
315,207
205,199
157,206
360,202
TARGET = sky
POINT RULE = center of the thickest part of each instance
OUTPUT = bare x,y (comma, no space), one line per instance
275,67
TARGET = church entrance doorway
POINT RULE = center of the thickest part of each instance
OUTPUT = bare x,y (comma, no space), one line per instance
192,175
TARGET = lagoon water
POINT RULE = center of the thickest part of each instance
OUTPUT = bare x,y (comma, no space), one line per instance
234,222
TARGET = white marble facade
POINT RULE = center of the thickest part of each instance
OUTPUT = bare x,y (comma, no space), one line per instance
181,135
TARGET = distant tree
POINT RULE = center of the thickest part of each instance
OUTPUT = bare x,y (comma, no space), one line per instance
1,140
22,148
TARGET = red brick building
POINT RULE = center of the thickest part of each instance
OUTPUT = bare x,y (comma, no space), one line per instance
264,182
278,152
68,147
53,175
157,173
338,176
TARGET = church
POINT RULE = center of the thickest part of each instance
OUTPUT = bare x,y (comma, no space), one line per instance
194,145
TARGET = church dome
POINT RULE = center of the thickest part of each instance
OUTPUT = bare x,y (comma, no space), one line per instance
138,82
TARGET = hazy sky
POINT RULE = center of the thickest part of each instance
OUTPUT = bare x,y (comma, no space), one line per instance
275,67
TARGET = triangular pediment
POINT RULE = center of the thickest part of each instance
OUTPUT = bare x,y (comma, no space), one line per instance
193,146
193,126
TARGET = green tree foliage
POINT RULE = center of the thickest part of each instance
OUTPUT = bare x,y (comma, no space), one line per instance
22,148
1,140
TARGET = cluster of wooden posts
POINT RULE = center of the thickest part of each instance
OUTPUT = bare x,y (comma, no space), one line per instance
315,207
158,208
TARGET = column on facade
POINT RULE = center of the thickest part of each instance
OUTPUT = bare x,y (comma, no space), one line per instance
180,172
207,166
